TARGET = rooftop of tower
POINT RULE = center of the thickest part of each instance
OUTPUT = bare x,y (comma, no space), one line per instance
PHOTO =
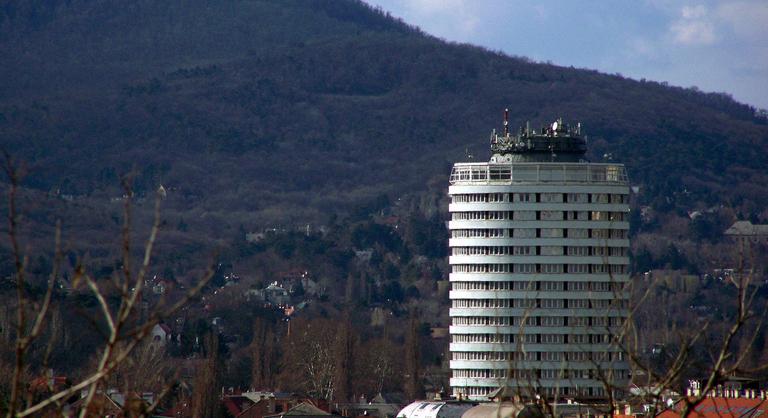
558,142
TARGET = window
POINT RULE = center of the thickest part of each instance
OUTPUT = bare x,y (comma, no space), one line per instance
524,303
550,373
552,304
551,268
551,250
578,286
551,338
578,251
552,321
578,321
495,197
578,268
578,233
578,304
523,250
551,233
601,286
481,268
550,356
525,197
618,251
477,233
525,268
525,286
578,355
551,215
551,197
524,215
601,233
619,233
577,198
551,286
573,215
524,233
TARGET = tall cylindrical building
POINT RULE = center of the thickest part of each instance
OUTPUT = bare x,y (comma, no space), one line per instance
538,256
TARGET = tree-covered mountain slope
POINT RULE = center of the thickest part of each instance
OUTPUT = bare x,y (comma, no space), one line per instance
253,112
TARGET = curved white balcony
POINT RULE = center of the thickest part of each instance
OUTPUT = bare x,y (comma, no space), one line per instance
537,259
514,347
533,294
507,224
521,277
461,382
538,172
514,206
533,365
595,312
531,330
510,241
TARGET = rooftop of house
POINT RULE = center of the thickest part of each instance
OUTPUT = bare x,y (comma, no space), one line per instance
722,407
304,409
746,228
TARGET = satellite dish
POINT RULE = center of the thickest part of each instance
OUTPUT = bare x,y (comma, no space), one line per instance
554,126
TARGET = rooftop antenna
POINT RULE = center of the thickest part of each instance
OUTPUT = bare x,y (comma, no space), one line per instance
506,122
469,156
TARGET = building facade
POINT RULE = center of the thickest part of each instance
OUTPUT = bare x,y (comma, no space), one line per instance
539,262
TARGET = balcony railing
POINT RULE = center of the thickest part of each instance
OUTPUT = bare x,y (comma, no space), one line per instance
487,173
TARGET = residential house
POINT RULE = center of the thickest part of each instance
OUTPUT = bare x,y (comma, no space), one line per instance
161,334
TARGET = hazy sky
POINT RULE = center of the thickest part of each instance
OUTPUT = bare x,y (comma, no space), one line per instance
715,45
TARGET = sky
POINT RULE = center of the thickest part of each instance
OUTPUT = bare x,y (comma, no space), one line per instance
716,46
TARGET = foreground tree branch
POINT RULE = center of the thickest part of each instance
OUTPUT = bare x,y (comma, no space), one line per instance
124,332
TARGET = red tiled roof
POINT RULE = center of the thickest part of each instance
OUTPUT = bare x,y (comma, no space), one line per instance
722,408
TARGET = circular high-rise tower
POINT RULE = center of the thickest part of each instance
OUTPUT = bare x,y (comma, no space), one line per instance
538,256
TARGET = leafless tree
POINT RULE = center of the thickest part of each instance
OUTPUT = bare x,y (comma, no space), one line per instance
413,388
308,358
125,332
729,343
264,355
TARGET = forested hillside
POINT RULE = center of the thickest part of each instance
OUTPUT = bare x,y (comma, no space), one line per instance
306,106
327,129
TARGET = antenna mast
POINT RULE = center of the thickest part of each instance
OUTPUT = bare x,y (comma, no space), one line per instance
506,122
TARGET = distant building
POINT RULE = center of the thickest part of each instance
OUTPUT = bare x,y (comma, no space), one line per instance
539,258
378,407
276,295
745,230
435,409
505,404
260,404
722,407
161,334
303,410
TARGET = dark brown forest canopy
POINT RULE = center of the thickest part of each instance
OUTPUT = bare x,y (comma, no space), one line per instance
261,112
